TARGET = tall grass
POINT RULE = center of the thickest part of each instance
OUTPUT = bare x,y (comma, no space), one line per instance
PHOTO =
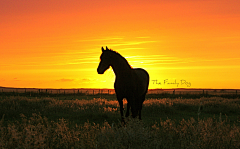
75,110
167,123
37,132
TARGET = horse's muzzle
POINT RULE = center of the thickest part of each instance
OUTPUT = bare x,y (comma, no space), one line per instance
100,72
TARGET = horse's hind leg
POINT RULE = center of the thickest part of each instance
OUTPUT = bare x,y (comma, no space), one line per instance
140,109
128,107
140,106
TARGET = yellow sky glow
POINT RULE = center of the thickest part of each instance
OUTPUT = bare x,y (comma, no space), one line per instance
57,44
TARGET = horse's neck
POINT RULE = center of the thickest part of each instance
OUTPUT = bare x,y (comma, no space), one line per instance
121,68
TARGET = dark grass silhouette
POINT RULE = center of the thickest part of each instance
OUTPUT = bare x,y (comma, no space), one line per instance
130,83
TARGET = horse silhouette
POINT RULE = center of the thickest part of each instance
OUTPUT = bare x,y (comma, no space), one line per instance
130,83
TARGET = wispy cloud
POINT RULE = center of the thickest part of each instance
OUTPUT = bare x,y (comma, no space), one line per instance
197,67
144,37
120,41
16,79
215,59
164,58
154,59
130,43
65,80
88,80
190,63
101,39
85,60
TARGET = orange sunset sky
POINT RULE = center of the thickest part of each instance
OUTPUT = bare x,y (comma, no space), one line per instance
57,43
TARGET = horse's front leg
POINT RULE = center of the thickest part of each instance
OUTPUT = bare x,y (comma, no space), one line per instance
120,100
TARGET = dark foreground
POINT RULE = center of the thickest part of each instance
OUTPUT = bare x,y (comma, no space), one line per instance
48,122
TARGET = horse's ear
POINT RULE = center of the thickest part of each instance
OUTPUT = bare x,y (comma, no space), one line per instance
107,48
102,49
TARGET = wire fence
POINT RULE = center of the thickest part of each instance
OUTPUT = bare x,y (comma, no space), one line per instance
56,91
196,91
34,91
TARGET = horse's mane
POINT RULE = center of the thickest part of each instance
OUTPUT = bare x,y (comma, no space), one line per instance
115,52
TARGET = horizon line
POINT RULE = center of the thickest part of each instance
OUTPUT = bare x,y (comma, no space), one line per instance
2,87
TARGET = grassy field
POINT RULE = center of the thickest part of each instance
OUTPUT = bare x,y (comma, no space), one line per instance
93,122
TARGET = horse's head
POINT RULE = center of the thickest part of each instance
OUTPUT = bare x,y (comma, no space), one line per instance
106,61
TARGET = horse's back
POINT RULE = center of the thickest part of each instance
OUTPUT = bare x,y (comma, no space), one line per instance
142,80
